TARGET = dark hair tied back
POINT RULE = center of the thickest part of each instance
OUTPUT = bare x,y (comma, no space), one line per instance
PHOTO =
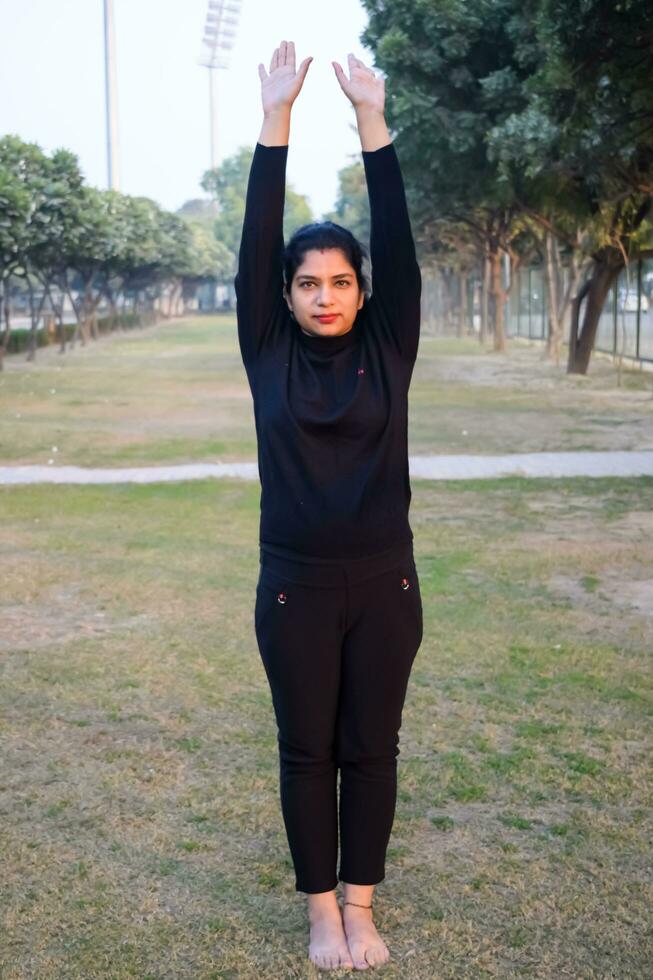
321,235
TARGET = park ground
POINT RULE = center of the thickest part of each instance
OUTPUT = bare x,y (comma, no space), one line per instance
141,833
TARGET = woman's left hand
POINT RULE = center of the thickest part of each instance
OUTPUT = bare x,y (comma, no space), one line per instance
363,89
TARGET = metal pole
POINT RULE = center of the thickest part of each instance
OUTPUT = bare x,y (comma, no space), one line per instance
615,290
219,33
212,111
639,304
111,89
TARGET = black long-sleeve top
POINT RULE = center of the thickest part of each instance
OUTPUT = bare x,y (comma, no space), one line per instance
331,412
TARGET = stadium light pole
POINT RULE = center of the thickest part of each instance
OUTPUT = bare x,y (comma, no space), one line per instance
111,96
219,34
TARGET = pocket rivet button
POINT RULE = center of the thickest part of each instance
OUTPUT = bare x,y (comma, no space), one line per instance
282,597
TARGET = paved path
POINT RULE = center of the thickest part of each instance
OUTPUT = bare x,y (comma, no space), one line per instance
422,467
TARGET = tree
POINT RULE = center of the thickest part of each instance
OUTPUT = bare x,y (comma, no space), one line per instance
536,110
71,239
584,140
21,191
200,210
55,224
452,76
352,208
209,261
228,186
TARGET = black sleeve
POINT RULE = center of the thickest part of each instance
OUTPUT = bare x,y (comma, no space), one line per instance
396,279
259,280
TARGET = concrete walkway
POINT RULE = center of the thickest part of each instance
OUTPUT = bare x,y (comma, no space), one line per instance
421,467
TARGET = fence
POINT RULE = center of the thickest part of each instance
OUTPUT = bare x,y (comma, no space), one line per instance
625,326
626,323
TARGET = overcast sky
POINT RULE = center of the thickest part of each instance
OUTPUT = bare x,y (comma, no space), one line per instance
52,85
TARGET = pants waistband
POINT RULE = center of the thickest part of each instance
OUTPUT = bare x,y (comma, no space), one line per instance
334,573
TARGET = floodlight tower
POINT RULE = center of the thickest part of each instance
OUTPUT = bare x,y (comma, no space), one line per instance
219,33
111,95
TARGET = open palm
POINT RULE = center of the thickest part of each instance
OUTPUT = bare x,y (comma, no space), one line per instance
363,88
281,87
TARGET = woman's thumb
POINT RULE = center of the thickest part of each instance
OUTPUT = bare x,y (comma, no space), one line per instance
338,70
303,68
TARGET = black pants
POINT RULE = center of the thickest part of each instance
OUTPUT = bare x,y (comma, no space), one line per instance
338,640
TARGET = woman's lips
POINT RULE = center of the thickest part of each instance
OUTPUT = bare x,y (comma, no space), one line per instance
327,319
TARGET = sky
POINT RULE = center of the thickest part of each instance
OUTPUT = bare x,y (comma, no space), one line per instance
52,85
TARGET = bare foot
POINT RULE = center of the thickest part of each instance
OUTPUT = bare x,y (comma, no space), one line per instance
365,945
328,945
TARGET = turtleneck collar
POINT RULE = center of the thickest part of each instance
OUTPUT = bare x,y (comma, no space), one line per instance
331,344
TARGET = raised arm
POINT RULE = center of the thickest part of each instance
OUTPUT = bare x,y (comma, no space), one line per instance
259,280
396,278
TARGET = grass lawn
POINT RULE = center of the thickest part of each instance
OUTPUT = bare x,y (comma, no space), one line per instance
141,833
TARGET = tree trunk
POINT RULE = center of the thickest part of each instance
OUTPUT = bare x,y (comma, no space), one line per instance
499,296
113,310
4,342
78,332
485,300
58,313
554,335
35,319
462,319
578,269
607,265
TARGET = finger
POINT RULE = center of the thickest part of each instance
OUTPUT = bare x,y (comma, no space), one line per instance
291,55
361,64
283,53
262,74
274,62
340,75
303,68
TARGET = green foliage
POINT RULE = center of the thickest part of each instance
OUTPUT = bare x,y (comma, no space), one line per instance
56,229
582,146
227,185
503,108
352,205
452,75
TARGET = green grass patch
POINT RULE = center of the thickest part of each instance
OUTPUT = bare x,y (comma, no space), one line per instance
142,834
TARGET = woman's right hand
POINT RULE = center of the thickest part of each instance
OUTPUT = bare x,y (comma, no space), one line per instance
281,87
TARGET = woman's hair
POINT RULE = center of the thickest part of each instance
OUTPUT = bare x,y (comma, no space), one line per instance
319,235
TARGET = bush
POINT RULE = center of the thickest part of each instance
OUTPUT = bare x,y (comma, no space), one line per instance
19,338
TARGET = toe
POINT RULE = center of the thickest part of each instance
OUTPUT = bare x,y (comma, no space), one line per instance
383,955
358,956
374,955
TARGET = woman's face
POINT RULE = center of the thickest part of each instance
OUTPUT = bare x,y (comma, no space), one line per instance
325,285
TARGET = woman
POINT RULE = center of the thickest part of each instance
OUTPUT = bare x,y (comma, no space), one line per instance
338,614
